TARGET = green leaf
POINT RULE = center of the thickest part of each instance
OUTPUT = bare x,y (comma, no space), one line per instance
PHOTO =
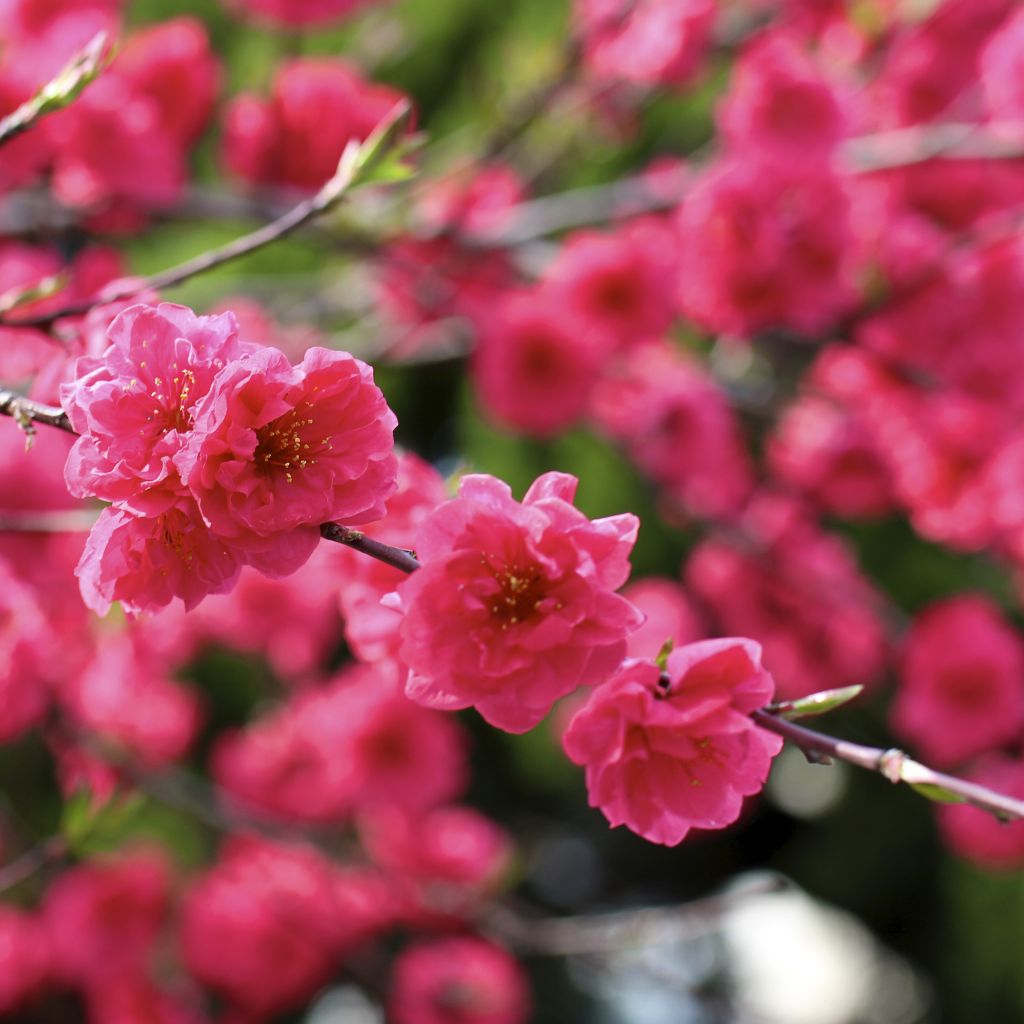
90,826
662,659
41,289
939,794
816,703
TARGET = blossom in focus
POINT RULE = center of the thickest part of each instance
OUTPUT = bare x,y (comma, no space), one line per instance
295,138
514,606
662,758
962,681
460,978
135,404
146,562
277,450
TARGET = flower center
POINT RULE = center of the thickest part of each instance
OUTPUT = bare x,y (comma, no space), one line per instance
286,443
521,593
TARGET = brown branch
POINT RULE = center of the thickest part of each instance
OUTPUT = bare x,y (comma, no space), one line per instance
347,174
893,764
399,558
27,413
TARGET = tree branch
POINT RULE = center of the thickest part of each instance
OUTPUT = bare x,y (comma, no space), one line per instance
399,558
347,174
893,764
27,413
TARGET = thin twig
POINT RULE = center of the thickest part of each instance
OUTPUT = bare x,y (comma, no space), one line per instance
71,520
893,764
30,862
27,413
399,558
326,199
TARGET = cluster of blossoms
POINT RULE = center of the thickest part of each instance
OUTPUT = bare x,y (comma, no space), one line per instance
873,312
216,454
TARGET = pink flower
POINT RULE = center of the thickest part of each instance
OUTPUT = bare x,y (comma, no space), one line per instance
677,426
260,926
536,364
663,758
277,450
25,663
766,246
514,606
779,105
171,63
126,696
24,957
300,13
1002,73
798,591
295,139
104,916
134,405
147,562
978,835
618,283
962,689
649,42
461,978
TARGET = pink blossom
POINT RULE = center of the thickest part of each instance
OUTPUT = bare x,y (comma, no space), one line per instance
766,246
1002,73
126,696
260,927
536,364
978,835
134,406
171,62
26,666
299,14
292,622
461,978
677,426
24,957
826,452
479,200
796,589
131,997
650,42
617,283
962,682
147,562
104,916
455,852
514,606
779,105
295,139
663,758
277,450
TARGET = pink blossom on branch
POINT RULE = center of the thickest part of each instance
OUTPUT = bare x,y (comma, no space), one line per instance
277,450
663,758
514,606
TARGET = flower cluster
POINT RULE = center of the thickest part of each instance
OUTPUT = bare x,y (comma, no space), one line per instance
216,454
